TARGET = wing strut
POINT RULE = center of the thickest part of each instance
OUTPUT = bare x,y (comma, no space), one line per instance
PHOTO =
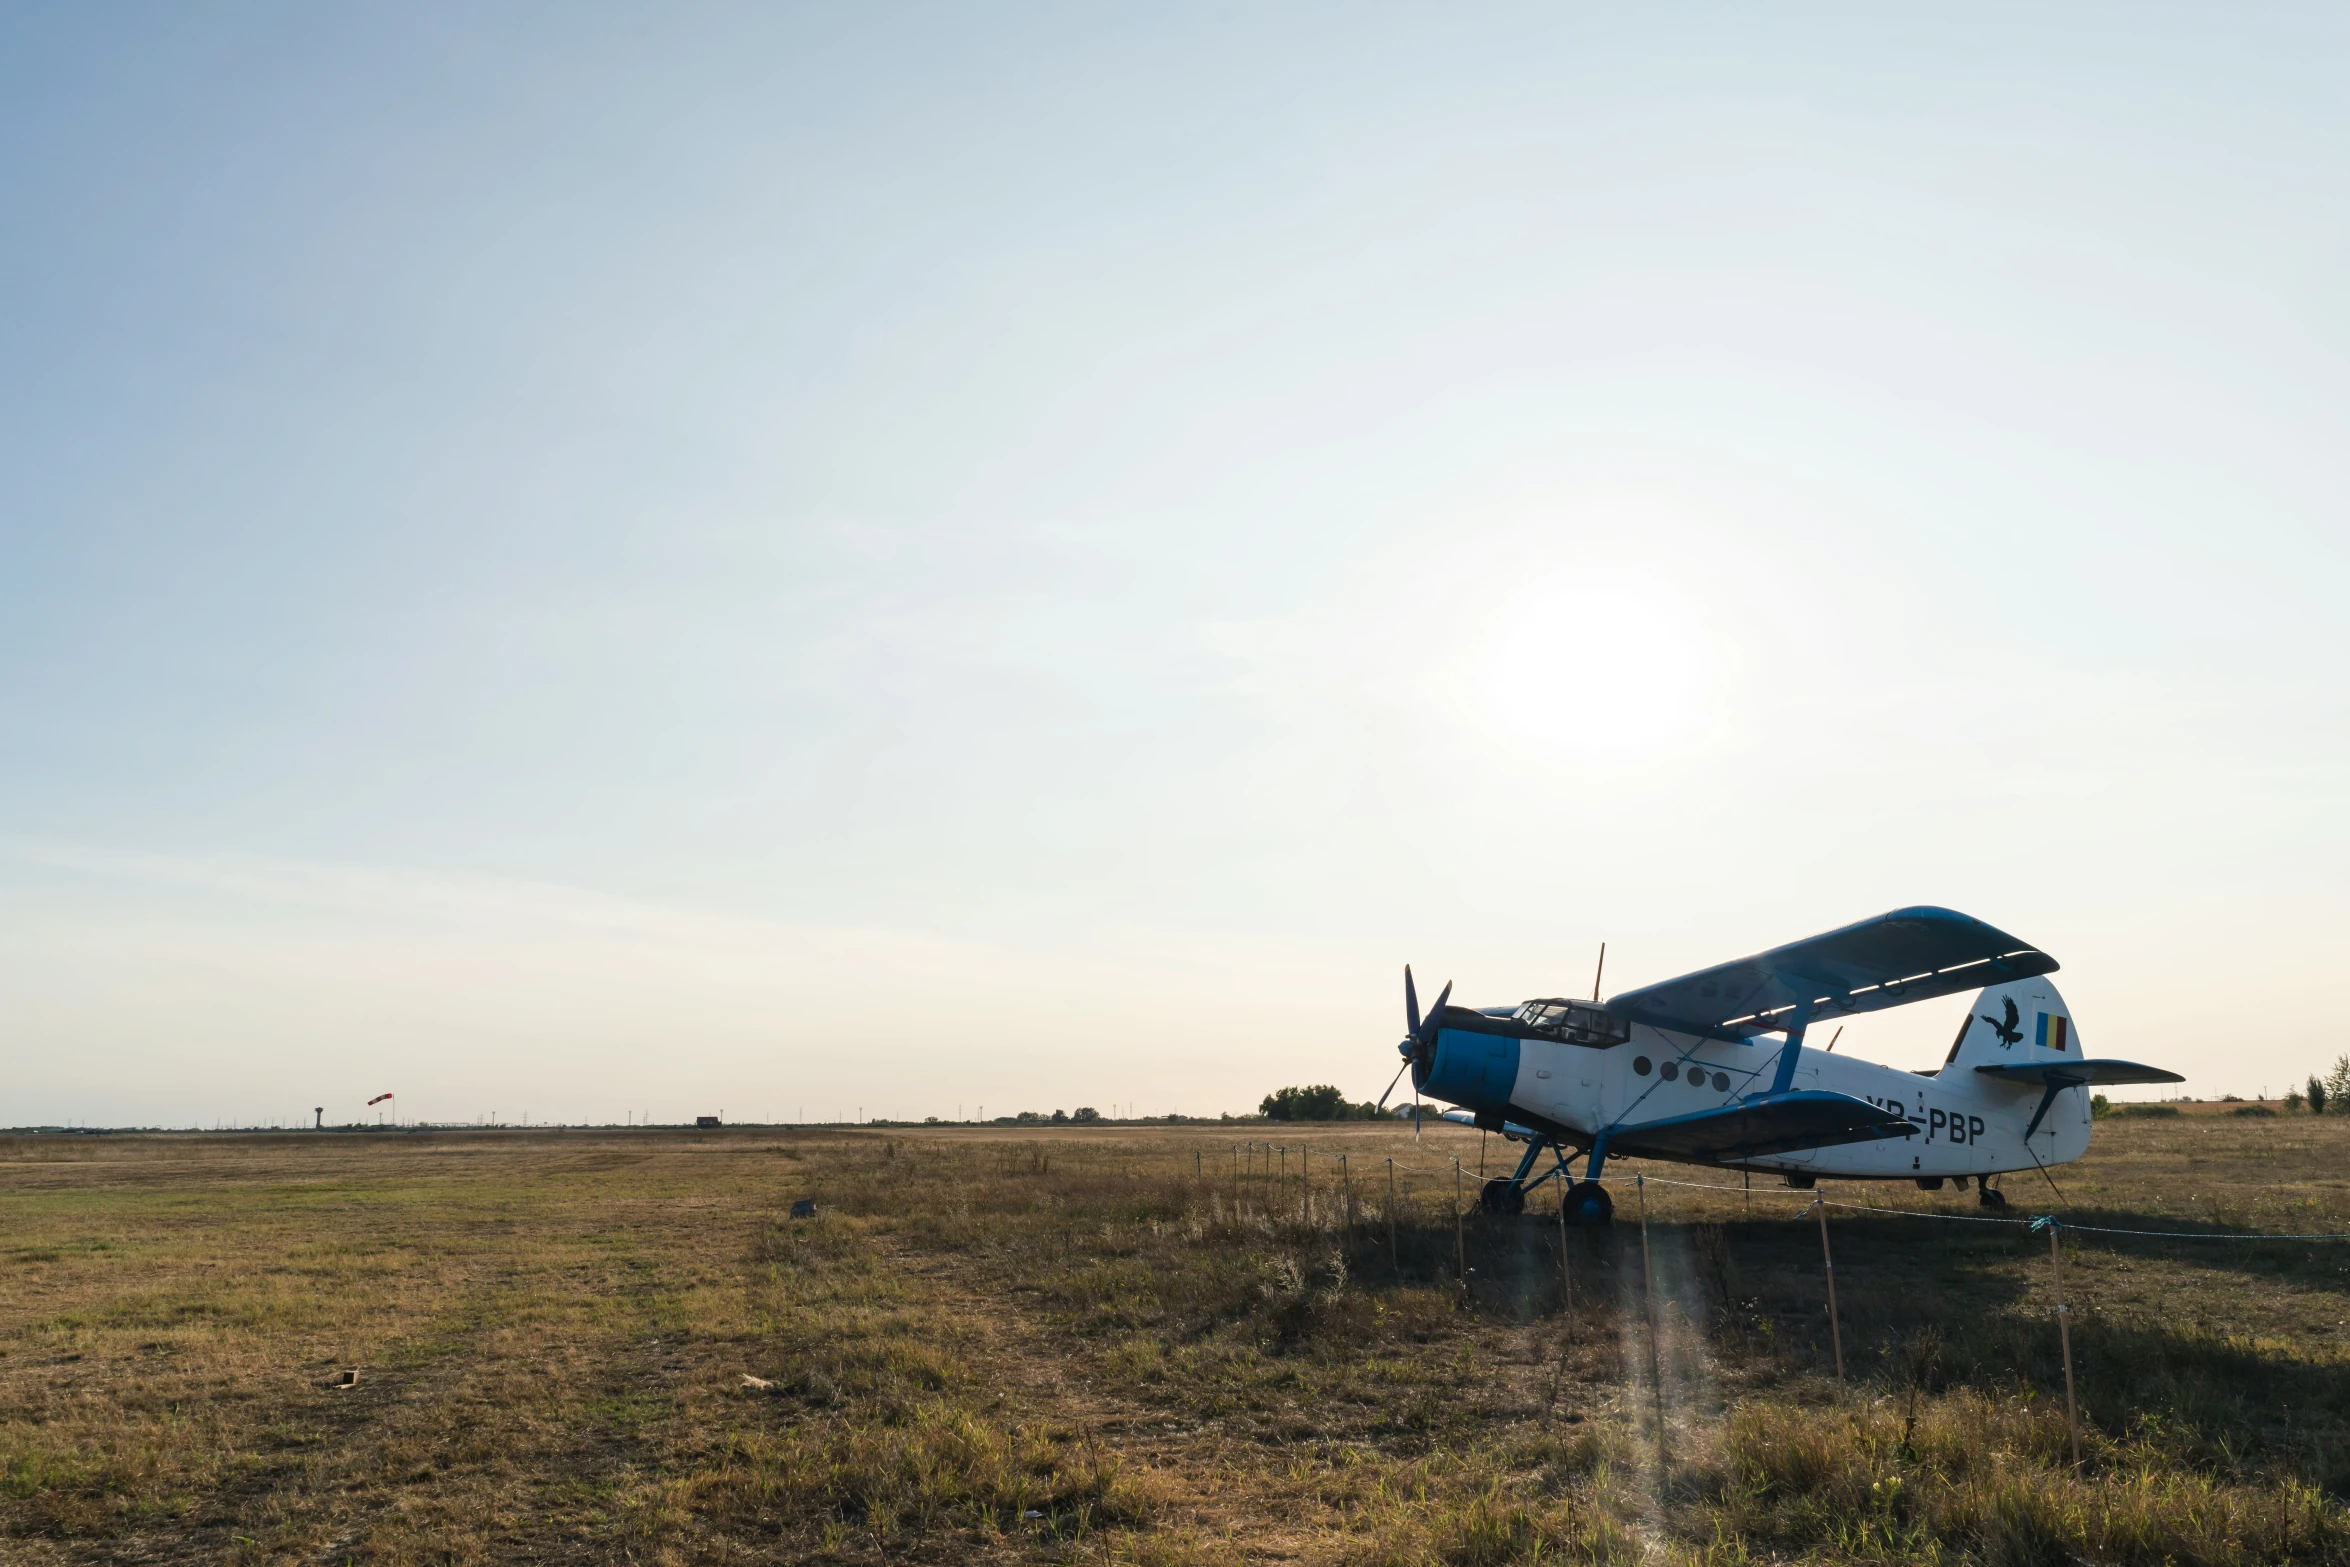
1792,1049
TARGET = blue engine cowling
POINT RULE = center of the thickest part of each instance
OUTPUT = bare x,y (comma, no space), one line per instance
1473,1070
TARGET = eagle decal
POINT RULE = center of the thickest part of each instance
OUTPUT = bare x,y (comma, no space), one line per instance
2009,1034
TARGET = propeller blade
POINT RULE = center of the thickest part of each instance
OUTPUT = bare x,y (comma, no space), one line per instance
1397,1078
1423,1035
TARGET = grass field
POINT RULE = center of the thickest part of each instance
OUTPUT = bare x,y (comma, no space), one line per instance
1059,1345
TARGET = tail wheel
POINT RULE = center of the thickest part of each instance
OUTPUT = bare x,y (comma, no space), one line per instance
1992,1197
1589,1205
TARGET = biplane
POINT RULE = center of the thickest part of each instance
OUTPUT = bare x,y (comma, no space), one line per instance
1711,1068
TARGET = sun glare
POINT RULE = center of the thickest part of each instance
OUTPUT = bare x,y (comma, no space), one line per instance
1605,657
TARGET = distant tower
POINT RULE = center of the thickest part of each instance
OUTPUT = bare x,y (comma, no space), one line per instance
320,1124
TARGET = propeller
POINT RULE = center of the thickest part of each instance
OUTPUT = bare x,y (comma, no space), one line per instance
1423,1033
1419,1046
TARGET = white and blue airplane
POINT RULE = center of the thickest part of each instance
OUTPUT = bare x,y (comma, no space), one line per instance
1710,1068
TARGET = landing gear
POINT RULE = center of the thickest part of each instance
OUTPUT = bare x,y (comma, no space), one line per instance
1505,1196
1589,1205
1991,1196
1501,1195
1583,1202
1929,1183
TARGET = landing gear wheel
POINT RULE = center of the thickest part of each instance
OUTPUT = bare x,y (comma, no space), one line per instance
1589,1205
1502,1196
1992,1197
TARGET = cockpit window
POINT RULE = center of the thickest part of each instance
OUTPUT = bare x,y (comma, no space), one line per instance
1576,1022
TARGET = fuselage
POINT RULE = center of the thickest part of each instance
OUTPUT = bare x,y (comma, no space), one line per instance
1966,1123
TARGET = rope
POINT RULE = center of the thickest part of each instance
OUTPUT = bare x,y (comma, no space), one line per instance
2192,1235
2040,1222
2037,1223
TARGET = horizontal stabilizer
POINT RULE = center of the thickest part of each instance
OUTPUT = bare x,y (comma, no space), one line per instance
1908,955
1782,1123
2073,1074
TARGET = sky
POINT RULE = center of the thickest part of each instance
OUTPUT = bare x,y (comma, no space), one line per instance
587,562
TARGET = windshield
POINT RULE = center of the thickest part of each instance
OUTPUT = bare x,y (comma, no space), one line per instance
1577,1022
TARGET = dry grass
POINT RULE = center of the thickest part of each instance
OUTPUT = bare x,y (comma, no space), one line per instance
1069,1346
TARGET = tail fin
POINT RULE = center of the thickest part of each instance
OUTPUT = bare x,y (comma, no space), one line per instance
2025,1020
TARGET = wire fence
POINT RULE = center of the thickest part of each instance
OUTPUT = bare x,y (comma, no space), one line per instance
2034,1222
1379,1202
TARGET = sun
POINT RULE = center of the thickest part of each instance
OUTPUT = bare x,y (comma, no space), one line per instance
1608,660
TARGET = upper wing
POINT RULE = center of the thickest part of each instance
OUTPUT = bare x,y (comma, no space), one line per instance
1807,1118
2072,1074
1907,955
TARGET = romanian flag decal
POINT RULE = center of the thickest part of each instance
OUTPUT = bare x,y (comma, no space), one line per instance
2052,1031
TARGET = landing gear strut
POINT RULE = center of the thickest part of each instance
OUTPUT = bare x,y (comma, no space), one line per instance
1586,1202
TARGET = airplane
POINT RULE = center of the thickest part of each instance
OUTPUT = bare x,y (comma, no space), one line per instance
1710,1068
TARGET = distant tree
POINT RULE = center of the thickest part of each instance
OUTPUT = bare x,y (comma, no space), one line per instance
1060,1117
2317,1097
2099,1107
2338,1080
1321,1102
1085,1113
2292,1100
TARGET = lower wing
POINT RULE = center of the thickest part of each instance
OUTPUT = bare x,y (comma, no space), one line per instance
1784,1123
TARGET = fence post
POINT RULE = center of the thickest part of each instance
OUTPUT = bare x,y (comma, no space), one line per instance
1835,1328
1566,1279
1656,1370
1346,1185
1392,1263
1460,1238
2064,1334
